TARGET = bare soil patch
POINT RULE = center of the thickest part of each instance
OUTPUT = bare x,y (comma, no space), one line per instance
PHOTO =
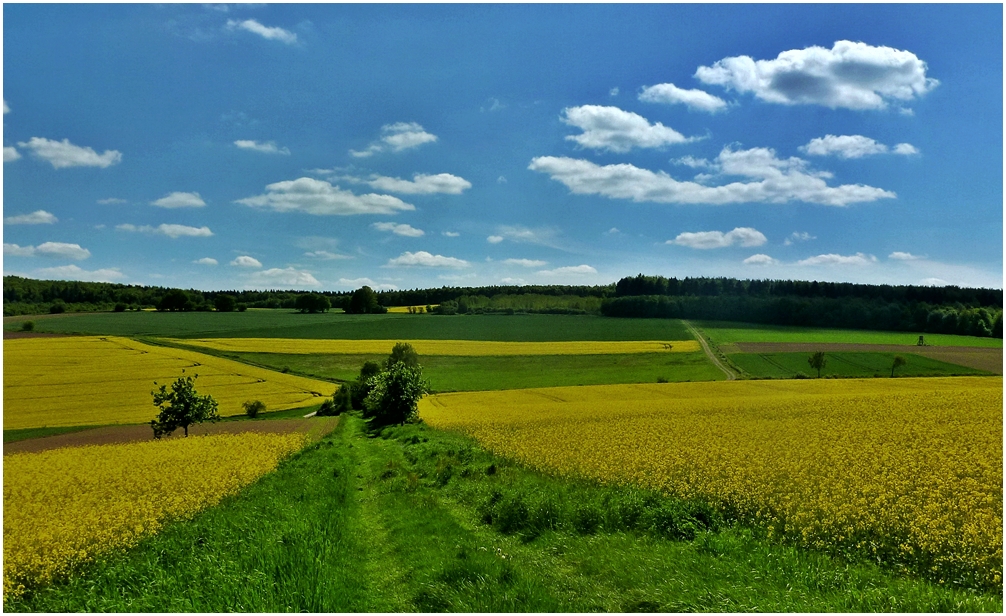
987,359
8,335
315,428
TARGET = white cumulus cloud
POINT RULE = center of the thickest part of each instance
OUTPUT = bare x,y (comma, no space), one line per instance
420,184
519,234
272,33
206,261
773,180
325,255
903,256
611,128
171,230
180,199
246,261
397,137
72,272
852,146
450,233
760,259
321,198
425,259
399,229
578,270
277,278
58,250
798,236
671,94
265,147
850,75
38,217
836,259
10,154
13,250
741,236
62,154
494,239
525,262
111,201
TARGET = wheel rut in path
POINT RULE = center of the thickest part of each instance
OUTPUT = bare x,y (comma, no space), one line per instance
709,353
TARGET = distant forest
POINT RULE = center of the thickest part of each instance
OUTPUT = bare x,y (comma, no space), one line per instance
950,309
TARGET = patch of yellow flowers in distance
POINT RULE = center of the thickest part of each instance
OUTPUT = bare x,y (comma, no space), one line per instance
906,471
88,380
469,348
64,506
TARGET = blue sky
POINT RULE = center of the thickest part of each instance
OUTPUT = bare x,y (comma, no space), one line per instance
403,146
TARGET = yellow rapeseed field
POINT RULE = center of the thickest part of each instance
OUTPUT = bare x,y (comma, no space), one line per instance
64,506
906,471
441,347
73,381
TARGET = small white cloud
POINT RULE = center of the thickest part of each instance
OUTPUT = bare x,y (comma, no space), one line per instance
14,250
180,199
397,137
276,278
612,231
501,180
849,75
613,91
246,261
526,262
836,259
694,163
321,198
172,231
425,259
798,236
760,259
269,33
523,235
420,184
615,130
514,281
111,201
265,147
671,94
903,256
905,149
578,270
399,229
905,111
356,282
742,236
72,272
933,282
63,154
61,250
494,239
38,217
853,146
450,233
6,109
206,261
325,255
10,154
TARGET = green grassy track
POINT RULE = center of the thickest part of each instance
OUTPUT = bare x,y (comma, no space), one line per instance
845,364
448,373
722,332
423,520
289,324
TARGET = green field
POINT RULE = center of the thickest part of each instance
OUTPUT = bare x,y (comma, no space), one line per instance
721,332
844,364
423,520
447,373
289,324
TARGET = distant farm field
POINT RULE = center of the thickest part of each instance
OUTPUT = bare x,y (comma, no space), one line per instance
73,381
903,471
846,365
336,325
721,332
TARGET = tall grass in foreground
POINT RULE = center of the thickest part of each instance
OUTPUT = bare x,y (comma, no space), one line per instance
417,519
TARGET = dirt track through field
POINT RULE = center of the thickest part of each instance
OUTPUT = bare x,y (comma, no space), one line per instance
107,435
709,353
979,358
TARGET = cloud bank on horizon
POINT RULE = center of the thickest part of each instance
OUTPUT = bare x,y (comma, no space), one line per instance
329,159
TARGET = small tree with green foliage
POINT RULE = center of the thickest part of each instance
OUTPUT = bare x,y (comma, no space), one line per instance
403,353
817,362
899,361
394,395
339,403
181,407
224,303
28,326
361,386
253,408
312,303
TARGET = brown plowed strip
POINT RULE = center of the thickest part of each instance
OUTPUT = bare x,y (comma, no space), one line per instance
14,334
315,428
979,358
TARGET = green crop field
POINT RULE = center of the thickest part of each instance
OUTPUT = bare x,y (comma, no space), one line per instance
290,324
721,332
448,373
845,364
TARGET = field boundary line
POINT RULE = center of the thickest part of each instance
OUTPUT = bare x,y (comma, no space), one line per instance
709,353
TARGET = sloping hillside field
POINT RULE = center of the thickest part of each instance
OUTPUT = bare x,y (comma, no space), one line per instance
467,348
905,471
78,381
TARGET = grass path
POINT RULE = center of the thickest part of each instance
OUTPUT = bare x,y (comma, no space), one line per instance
712,356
